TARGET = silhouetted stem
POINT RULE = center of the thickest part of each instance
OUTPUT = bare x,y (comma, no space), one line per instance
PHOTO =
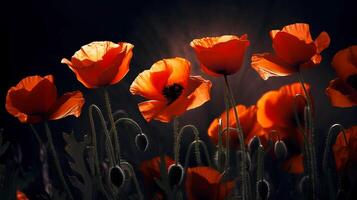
241,140
325,162
55,158
310,131
109,148
226,101
112,123
178,142
133,176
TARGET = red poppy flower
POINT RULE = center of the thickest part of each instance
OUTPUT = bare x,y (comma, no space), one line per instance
343,90
276,115
293,48
346,154
20,195
101,63
151,171
171,89
221,55
248,120
205,183
34,99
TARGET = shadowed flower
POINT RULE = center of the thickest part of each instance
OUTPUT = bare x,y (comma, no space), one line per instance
151,172
276,115
171,89
346,154
248,120
205,183
221,55
343,90
20,195
34,99
293,49
101,63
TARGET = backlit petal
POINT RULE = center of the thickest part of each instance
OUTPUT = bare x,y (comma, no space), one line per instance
70,103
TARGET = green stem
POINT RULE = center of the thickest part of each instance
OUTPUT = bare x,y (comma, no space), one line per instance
36,135
94,143
55,157
176,140
310,130
112,123
226,101
241,139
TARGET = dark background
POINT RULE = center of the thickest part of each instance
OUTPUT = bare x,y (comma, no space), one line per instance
36,35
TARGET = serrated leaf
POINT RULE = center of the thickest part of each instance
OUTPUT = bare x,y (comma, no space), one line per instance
76,150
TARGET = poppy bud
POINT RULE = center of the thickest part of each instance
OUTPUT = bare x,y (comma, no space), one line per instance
280,150
305,186
220,159
253,144
141,142
117,176
175,173
263,189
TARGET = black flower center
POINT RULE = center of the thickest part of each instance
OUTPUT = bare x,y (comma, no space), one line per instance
172,92
352,81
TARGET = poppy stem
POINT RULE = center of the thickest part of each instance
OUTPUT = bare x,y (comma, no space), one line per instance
310,131
56,160
226,101
110,150
241,140
176,140
326,158
112,123
197,147
36,135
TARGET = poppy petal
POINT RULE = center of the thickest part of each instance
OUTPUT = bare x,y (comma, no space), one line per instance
300,31
100,63
199,90
220,55
70,103
345,62
143,86
322,41
31,98
268,65
293,50
340,94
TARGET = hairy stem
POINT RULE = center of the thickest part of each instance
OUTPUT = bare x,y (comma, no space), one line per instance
241,140
56,160
310,130
112,123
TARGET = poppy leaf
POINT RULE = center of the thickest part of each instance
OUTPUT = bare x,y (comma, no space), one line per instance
76,150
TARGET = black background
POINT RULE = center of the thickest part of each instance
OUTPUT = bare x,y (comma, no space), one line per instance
36,35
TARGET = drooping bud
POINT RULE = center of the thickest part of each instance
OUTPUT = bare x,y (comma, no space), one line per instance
141,142
117,176
175,173
280,150
253,144
304,186
263,189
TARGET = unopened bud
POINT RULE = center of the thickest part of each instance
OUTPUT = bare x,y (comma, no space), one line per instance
305,186
220,159
175,173
263,189
253,144
280,150
141,142
117,176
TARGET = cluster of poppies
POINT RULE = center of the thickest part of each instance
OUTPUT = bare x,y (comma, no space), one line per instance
283,116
